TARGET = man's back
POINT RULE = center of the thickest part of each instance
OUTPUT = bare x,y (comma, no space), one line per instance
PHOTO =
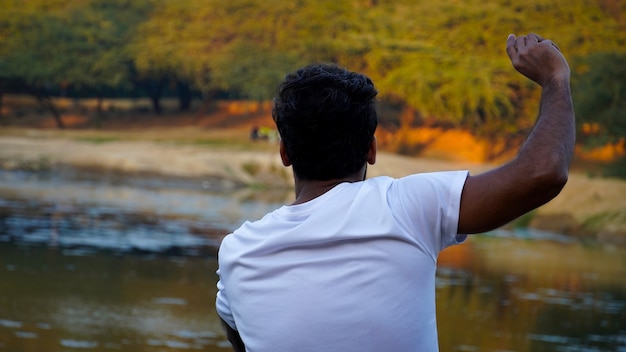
352,270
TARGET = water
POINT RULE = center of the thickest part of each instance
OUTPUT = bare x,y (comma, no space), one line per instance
144,214
52,300
519,293
110,264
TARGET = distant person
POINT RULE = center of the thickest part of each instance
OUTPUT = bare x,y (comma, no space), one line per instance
254,133
350,264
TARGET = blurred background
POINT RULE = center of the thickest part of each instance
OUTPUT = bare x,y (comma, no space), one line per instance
134,135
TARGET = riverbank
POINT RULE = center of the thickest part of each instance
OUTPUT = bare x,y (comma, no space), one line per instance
590,208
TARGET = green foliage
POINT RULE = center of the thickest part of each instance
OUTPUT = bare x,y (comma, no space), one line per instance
617,168
252,71
67,42
444,60
453,66
599,90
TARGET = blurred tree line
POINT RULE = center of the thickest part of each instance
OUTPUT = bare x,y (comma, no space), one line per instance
442,63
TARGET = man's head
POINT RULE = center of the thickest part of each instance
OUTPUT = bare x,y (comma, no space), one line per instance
326,117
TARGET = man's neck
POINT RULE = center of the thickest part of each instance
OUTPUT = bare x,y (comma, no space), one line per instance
307,190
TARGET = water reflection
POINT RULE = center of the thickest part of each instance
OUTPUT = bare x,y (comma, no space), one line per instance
104,301
511,294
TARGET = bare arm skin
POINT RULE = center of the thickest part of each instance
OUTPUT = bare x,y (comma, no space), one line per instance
233,337
540,170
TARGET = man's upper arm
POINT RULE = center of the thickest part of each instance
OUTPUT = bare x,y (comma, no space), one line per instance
494,198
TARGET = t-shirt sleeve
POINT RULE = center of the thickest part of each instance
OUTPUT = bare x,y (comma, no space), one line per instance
222,306
428,206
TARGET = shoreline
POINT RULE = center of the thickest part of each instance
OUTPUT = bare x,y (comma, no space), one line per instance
587,208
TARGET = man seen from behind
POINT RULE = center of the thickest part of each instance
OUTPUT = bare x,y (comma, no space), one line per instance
350,264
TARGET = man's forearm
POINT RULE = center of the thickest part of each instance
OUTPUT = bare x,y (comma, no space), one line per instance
549,148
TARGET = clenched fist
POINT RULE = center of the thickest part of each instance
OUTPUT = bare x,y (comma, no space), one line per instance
537,58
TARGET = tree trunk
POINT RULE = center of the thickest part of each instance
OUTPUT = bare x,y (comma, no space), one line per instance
99,114
154,91
47,104
184,96
99,105
156,104
204,107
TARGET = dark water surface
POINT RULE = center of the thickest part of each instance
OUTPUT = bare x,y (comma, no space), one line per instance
109,264
52,300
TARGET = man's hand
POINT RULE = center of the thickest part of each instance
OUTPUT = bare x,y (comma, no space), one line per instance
537,58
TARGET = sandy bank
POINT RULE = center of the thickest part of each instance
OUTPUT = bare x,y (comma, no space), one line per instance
587,207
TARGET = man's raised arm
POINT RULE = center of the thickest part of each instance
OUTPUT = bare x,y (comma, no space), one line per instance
540,169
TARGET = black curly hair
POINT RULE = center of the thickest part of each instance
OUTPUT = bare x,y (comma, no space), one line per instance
326,117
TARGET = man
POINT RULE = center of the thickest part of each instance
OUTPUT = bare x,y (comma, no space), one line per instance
350,264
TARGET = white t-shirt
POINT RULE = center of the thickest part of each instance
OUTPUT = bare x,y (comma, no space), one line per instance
351,270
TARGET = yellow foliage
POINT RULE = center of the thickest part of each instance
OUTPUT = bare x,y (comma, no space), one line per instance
590,128
606,153
240,107
434,142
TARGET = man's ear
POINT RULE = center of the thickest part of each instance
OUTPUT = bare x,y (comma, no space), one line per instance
371,154
283,155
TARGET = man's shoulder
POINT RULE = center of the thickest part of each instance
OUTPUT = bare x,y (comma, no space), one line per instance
252,226
442,178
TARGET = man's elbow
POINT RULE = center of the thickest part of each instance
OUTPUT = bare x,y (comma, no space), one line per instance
549,182
556,185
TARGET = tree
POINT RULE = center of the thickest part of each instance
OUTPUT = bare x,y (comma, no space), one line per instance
443,60
251,71
219,45
164,50
599,91
75,43
24,31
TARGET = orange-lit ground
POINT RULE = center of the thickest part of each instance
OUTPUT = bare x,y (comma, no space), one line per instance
436,143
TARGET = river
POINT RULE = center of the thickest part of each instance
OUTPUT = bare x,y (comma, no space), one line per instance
101,262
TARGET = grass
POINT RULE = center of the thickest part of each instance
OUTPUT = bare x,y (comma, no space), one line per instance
524,220
232,139
98,140
252,168
597,221
226,142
